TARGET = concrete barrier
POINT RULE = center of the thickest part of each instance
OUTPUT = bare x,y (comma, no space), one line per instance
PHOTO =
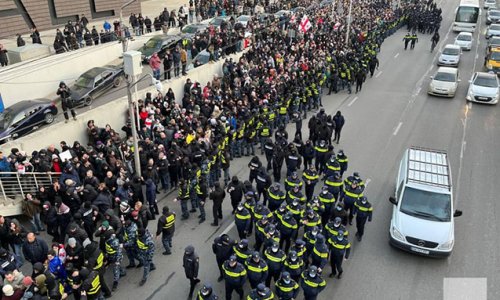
113,113
28,52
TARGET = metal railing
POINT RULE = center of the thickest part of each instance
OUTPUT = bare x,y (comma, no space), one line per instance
14,184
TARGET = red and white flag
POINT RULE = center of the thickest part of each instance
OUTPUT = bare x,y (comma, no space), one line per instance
305,24
292,19
336,26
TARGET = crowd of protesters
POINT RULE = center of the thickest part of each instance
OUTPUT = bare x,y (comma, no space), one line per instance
100,201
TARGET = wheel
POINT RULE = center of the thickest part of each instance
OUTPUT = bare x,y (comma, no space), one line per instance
49,118
87,101
117,81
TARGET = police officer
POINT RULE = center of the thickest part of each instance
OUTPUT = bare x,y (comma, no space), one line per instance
223,249
275,258
340,249
130,242
257,269
414,39
235,190
275,196
264,133
166,228
332,166
241,251
242,220
295,193
94,260
288,227
339,212
321,151
264,181
310,177
308,153
260,226
114,257
328,200
351,193
320,252
294,265
206,293
312,283
278,158
90,284
235,276
254,166
296,209
293,180
286,288
309,238
407,39
201,190
269,151
191,265
311,219
334,184
146,249
183,197
334,226
363,211
261,292
293,161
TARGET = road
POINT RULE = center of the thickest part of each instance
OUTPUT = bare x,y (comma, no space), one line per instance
391,113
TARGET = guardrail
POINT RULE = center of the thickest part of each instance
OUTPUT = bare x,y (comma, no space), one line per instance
14,186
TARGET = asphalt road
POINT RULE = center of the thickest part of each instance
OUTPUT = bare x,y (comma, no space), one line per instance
391,113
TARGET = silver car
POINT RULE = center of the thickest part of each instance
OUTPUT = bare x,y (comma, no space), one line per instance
483,88
493,30
444,83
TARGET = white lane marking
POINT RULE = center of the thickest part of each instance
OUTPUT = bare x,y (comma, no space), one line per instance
368,180
477,56
479,42
397,128
468,107
396,56
228,228
418,90
352,102
378,74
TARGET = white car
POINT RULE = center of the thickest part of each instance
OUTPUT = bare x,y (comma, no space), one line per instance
483,88
489,4
464,40
243,20
423,217
450,56
493,30
444,83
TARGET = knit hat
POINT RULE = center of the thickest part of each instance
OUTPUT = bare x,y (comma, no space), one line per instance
54,156
72,242
27,281
105,224
8,290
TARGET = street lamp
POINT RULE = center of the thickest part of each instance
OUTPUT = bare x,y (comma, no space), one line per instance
132,66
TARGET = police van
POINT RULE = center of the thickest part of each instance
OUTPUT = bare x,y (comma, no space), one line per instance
423,216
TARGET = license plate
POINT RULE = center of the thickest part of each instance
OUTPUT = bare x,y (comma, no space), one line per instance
482,98
419,250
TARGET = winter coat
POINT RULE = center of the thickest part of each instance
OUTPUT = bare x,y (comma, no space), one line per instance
36,251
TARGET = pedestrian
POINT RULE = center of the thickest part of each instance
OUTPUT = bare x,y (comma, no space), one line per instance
31,208
66,102
145,251
35,249
168,61
207,293
217,196
155,64
166,228
4,60
363,211
20,41
35,36
222,247
235,276
191,265
414,39
312,283
235,190
339,121
407,38
184,59
339,251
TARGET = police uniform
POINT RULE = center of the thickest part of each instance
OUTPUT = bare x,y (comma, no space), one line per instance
275,258
114,256
223,249
363,211
129,242
312,284
340,249
310,177
166,227
235,277
286,288
288,228
243,221
146,249
257,269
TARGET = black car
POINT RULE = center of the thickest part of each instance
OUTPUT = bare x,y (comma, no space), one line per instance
94,83
159,44
25,116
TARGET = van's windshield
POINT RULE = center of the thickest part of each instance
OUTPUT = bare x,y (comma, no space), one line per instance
426,205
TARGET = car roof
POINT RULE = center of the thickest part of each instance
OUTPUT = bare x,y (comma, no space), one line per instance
95,71
465,33
484,74
24,104
447,70
453,46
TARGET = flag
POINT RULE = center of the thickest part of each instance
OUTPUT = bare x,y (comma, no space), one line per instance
2,107
305,24
336,26
292,19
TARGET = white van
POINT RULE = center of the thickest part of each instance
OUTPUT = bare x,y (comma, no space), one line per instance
423,217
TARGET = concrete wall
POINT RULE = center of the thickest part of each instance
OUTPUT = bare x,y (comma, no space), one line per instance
113,113
40,78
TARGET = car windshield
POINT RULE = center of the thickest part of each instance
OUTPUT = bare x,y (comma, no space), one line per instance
495,27
152,44
190,29
486,81
495,13
495,56
494,41
84,82
426,205
451,51
216,21
464,37
5,118
444,76
202,59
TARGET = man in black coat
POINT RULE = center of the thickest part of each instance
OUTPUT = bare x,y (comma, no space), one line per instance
34,249
339,121
222,248
191,264
235,190
217,196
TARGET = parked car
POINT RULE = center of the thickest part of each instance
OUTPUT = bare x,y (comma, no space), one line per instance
444,82
493,42
194,28
278,14
243,20
493,16
490,4
464,40
158,44
217,21
94,83
200,59
493,30
450,56
483,88
24,117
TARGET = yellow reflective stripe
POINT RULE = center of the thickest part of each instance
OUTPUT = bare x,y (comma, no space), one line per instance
353,195
286,224
286,288
333,183
311,177
234,274
109,249
322,255
240,254
96,285
100,261
326,200
141,245
363,208
323,150
273,258
333,168
243,217
256,269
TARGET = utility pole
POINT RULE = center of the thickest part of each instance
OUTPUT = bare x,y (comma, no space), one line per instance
137,159
348,24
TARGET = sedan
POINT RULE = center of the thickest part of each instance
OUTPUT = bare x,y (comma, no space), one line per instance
200,59
493,16
217,21
464,40
243,20
490,4
159,44
483,88
450,55
94,83
194,28
444,83
24,117
493,30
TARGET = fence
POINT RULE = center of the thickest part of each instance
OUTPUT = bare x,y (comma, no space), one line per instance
14,187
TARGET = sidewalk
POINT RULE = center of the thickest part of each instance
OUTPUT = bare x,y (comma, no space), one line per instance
149,8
